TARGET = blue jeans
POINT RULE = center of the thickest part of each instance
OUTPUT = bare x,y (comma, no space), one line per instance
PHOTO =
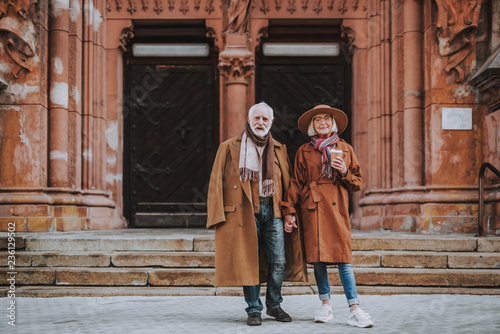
272,239
346,277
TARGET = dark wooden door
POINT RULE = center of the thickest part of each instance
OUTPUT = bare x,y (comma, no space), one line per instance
293,86
171,137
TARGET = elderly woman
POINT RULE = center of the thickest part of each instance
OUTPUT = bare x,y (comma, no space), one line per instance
319,193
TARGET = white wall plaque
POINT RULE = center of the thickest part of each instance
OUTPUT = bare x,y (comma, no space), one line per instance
456,119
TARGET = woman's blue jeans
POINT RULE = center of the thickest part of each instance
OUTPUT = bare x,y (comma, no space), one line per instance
346,277
272,239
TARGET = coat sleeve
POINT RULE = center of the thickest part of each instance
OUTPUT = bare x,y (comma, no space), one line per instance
292,196
352,180
215,202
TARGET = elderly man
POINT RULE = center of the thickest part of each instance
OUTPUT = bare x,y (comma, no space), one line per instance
249,178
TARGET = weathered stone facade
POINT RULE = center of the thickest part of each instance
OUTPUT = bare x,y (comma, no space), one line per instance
62,108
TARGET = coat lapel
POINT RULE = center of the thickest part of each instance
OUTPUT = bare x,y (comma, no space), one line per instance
235,156
311,154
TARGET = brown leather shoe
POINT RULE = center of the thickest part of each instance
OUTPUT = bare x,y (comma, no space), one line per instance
254,319
279,314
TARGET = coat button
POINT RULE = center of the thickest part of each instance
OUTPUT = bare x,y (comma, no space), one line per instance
241,224
241,204
235,186
334,203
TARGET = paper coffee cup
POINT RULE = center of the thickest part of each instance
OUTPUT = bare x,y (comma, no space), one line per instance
335,153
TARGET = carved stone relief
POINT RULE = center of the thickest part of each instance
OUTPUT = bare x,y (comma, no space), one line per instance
456,32
236,6
17,40
236,67
158,5
126,35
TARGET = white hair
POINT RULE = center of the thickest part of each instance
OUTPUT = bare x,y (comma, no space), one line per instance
262,105
311,132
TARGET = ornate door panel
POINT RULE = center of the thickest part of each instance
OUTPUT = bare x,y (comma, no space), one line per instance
171,133
292,89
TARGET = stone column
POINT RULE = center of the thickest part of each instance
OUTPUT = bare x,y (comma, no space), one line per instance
59,94
119,32
413,93
356,46
236,64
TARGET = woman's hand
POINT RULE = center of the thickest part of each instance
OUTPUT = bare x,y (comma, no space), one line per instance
338,164
290,223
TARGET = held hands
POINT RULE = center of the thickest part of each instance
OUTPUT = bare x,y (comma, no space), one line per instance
338,164
290,223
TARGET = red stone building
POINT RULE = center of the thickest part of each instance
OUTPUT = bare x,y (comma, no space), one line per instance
111,111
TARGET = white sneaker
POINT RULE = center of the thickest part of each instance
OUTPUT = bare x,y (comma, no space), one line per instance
324,314
359,318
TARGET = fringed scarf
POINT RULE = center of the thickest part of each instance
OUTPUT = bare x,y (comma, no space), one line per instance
251,163
324,146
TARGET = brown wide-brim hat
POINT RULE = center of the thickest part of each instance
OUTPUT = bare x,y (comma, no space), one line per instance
338,115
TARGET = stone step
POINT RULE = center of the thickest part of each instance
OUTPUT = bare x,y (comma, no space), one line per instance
93,291
203,240
454,260
106,241
364,276
361,259
110,276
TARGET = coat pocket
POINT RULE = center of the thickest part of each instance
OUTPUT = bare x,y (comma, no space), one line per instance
229,208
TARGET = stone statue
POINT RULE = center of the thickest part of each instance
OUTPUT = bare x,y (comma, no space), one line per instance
237,14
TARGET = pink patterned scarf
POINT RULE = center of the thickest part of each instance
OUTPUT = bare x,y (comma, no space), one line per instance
324,146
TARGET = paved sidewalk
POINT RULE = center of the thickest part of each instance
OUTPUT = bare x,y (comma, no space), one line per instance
219,314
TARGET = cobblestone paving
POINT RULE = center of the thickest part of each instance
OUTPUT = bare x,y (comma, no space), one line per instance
391,314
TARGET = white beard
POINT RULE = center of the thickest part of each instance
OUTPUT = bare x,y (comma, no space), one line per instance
260,133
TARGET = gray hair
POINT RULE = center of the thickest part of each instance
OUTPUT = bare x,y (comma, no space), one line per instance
311,132
262,105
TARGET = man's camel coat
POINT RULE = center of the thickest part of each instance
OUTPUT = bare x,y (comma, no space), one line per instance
231,205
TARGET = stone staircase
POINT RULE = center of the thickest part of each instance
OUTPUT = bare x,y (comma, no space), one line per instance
181,262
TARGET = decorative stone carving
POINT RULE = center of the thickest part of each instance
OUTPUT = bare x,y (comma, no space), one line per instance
119,4
456,32
342,6
197,5
291,6
158,8
132,8
17,39
355,4
330,5
236,61
304,5
317,6
347,44
236,67
278,4
487,79
145,5
184,8
209,8
265,6
125,37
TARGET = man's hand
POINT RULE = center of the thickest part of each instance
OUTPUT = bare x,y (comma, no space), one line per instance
290,223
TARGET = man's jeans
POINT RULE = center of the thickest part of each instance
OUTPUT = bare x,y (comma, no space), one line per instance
346,277
272,239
